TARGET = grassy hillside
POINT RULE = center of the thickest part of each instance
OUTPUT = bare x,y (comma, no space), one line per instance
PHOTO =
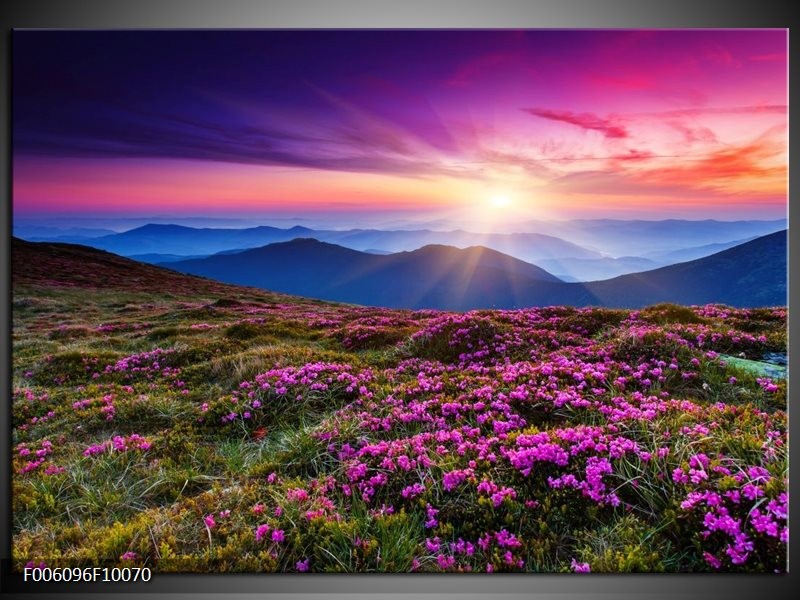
166,420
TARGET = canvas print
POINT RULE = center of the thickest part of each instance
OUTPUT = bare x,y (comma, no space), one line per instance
402,301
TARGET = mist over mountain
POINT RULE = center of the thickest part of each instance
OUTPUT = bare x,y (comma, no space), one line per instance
524,246
644,238
582,250
181,240
592,269
750,274
39,233
686,254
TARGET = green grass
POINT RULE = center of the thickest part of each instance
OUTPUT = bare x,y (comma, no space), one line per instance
153,502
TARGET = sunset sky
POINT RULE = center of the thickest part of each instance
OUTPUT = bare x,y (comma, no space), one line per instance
469,127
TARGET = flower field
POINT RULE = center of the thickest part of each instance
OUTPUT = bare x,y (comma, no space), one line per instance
229,429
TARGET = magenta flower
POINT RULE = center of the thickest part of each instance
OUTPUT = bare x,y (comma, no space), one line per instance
431,512
278,536
445,562
712,560
580,567
261,531
412,491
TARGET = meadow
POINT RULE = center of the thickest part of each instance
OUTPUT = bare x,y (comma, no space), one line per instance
196,427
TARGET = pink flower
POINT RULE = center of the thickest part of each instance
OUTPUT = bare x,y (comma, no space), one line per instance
580,567
209,521
431,512
94,449
412,490
261,531
712,560
302,565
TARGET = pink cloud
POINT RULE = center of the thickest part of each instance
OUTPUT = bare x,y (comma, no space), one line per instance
693,134
533,166
748,169
634,154
609,127
745,163
609,183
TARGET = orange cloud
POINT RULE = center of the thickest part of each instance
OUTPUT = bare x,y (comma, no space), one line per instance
756,170
759,166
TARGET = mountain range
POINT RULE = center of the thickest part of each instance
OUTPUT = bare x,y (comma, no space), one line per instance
181,240
585,251
750,274
431,277
650,239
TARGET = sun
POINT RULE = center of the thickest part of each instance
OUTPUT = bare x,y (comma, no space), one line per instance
495,208
500,200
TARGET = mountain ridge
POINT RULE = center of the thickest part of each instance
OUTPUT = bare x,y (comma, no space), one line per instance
751,274
578,250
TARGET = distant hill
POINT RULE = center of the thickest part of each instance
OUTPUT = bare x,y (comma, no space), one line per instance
529,247
155,259
187,241
578,250
43,232
592,269
686,254
433,276
751,274
643,238
191,241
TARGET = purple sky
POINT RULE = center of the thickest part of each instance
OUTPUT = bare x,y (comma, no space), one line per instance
485,126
